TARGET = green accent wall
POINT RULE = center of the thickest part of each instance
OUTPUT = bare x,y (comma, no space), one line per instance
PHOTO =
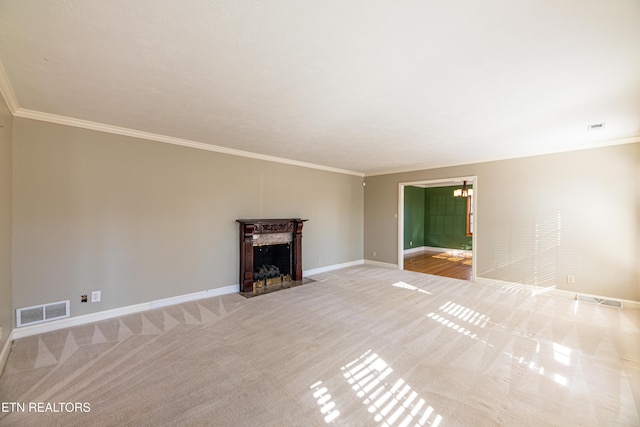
413,217
445,219
433,217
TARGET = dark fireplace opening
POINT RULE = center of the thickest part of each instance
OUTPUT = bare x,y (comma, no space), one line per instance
271,261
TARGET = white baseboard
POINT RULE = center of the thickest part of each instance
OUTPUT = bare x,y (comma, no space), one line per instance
438,249
381,264
535,290
4,353
194,296
414,250
41,328
331,267
432,249
349,264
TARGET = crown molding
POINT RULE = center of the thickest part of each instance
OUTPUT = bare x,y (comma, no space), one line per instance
416,168
12,103
7,91
117,130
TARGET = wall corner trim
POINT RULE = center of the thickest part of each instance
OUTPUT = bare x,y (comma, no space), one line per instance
4,353
7,91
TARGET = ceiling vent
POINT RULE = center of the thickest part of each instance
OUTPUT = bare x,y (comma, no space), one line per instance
595,126
42,313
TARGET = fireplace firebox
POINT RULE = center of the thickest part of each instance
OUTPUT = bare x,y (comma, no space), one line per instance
270,250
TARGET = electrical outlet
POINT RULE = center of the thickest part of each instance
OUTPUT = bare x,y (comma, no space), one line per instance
95,296
571,279
375,253
410,242
319,259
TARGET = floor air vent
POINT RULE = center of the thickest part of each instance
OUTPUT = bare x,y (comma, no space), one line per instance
600,301
42,313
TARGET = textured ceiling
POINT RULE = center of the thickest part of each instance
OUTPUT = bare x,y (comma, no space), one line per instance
364,86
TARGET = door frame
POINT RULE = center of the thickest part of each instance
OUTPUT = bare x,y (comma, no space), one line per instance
444,182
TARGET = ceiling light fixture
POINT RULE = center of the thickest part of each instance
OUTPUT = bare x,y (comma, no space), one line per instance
464,191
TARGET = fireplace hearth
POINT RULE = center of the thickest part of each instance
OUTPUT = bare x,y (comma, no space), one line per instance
270,253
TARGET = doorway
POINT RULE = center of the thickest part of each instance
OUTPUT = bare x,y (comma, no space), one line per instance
439,260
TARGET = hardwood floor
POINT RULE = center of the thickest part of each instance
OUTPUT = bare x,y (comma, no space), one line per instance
457,265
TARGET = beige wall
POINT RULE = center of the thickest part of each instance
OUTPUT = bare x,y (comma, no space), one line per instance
6,318
539,219
143,220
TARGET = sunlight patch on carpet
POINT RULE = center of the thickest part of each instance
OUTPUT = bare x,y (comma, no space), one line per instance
388,401
403,285
466,314
460,313
561,355
323,399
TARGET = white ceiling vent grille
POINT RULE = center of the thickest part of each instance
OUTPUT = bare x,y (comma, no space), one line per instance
42,313
596,126
600,301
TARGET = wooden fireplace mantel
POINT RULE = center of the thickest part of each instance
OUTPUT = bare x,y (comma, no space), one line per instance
250,229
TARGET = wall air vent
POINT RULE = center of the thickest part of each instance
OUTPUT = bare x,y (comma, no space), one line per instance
42,313
600,301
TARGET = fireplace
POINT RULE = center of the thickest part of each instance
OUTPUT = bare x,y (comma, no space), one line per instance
270,252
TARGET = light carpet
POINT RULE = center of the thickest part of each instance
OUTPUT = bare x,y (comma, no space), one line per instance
361,346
